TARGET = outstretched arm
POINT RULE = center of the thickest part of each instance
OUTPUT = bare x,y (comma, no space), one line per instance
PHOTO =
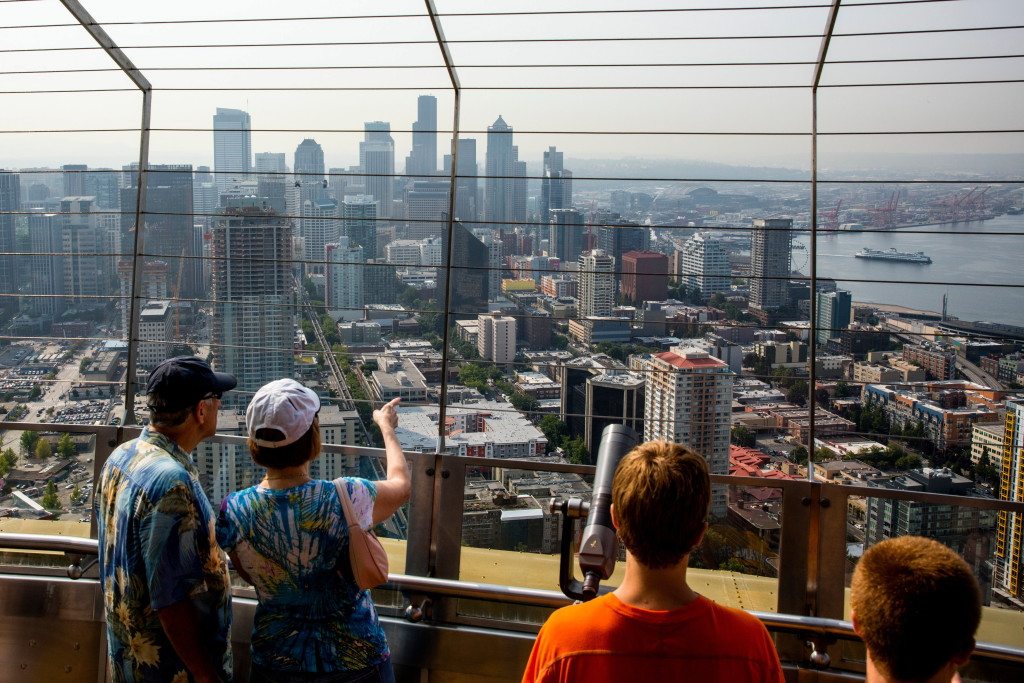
393,491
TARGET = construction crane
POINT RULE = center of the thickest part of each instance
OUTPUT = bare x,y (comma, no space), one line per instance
887,214
830,219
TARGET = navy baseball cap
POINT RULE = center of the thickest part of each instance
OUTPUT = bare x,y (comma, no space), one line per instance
184,381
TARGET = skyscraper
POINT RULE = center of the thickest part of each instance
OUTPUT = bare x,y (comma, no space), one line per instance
254,295
504,186
81,245
318,226
644,276
467,208
688,400
359,222
377,161
565,234
271,162
10,201
596,284
423,158
835,310
345,264
1010,526
426,208
705,266
771,244
617,236
232,147
309,163
470,283
46,264
555,185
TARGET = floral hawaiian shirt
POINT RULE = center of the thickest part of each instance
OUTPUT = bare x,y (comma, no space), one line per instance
291,544
157,547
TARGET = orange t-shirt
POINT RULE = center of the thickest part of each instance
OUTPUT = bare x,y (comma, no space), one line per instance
608,640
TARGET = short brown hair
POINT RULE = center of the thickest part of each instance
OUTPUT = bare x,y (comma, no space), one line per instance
661,493
916,605
304,449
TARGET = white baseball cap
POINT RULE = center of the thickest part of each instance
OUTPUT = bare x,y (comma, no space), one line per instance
284,405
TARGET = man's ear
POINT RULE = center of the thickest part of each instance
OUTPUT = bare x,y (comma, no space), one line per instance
853,620
615,520
700,536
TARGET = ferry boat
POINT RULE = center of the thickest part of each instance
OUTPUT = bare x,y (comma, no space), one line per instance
893,255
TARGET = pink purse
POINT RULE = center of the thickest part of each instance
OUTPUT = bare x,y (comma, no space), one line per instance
367,556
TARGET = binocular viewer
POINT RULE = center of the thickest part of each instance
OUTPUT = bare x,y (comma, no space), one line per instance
598,544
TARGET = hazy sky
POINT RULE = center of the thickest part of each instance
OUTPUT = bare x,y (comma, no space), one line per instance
522,101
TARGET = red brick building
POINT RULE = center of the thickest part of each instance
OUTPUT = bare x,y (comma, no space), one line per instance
644,276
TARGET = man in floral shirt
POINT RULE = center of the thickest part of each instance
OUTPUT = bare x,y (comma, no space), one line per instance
165,581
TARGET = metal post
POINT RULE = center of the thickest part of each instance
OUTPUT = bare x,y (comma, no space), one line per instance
143,84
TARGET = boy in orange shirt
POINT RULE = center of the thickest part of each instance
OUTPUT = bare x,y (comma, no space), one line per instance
654,626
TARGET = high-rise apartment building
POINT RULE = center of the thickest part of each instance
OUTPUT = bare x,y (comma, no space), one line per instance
596,284
271,162
705,266
254,295
688,400
318,226
834,313
771,243
495,267
565,234
467,206
344,280
1010,526
422,160
10,202
504,186
555,185
359,222
496,338
377,161
232,147
155,333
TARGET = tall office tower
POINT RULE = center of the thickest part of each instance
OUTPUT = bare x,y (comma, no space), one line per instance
205,197
771,243
520,190
496,337
309,165
688,400
1010,526
108,230
277,189
470,287
555,185
80,243
232,147
319,226
154,287
73,176
102,184
501,174
273,162
380,282
344,280
644,276
423,158
377,161
612,397
495,265
565,234
10,201
254,295
46,264
596,284
466,185
426,208
359,222
617,236
835,311
168,230
705,266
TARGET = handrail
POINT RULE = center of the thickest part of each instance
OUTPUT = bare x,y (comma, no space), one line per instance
789,623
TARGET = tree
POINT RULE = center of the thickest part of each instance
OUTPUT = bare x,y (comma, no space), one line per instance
797,392
50,500
43,449
741,436
28,442
733,564
66,446
524,402
799,455
554,430
576,451
76,496
7,461
35,393
822,398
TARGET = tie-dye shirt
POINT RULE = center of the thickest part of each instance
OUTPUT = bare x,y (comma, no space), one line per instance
291,543
157,547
